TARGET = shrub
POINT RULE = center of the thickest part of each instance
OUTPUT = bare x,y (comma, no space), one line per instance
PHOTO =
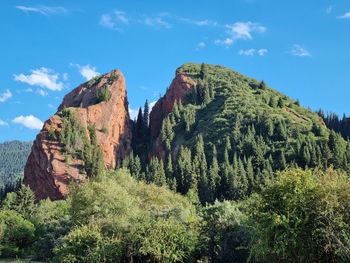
103,94
303,216
16,234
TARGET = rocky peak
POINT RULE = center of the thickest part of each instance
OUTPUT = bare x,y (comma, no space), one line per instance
100,103
177,91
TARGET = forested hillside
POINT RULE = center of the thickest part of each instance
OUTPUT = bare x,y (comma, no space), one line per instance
236,172
13,156
230,134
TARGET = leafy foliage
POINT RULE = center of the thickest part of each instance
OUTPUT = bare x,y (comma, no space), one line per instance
302,217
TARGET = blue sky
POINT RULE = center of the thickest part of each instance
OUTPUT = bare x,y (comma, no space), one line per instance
47,48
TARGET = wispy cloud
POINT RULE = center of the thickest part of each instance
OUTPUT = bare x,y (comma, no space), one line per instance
42,77
156,21
121,17
252,52
43,10
3,123
29,121
329,9
203,22
299,51
247,52
117,20
225,42
114,20
42,92
200,45
262,52
345,16
240,31
87,72
6,95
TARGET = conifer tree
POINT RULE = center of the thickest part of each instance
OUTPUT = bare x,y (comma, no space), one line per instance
213,177
250,176
184,175
167,133
145,120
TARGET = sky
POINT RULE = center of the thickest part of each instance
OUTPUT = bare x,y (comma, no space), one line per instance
47,48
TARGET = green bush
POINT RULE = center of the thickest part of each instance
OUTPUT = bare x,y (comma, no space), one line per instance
16,234
103,94
303,216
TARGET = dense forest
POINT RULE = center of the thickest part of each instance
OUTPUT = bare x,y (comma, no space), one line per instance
13,156
237,173
230,136
337,124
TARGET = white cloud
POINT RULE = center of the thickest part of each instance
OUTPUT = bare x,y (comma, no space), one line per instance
42,9
43,77
3,123
107,21
157,21
247,52
29,121
88,72
65,76
151,105
244,30
262,52
299,51
240,30
121,16
201,45
345,16
115,20
134,112
204,22
226,42
42,92
5,95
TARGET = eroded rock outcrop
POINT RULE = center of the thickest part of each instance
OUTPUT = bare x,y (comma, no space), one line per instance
177,91
101,103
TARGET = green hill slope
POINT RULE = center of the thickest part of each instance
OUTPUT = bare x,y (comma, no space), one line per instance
250,129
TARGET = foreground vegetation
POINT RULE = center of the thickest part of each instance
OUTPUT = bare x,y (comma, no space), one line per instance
300,216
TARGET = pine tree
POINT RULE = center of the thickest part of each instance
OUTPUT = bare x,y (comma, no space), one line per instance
145,120
200,167
135,166
167,133
280,102
184,175
262,85
282,161
176,111
243,181
139,124
213,177
250,176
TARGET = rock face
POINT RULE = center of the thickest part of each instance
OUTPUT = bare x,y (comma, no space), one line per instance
177,91
179,88
47,171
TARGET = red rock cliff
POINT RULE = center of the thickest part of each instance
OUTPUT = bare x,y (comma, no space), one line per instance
177,91
47,172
